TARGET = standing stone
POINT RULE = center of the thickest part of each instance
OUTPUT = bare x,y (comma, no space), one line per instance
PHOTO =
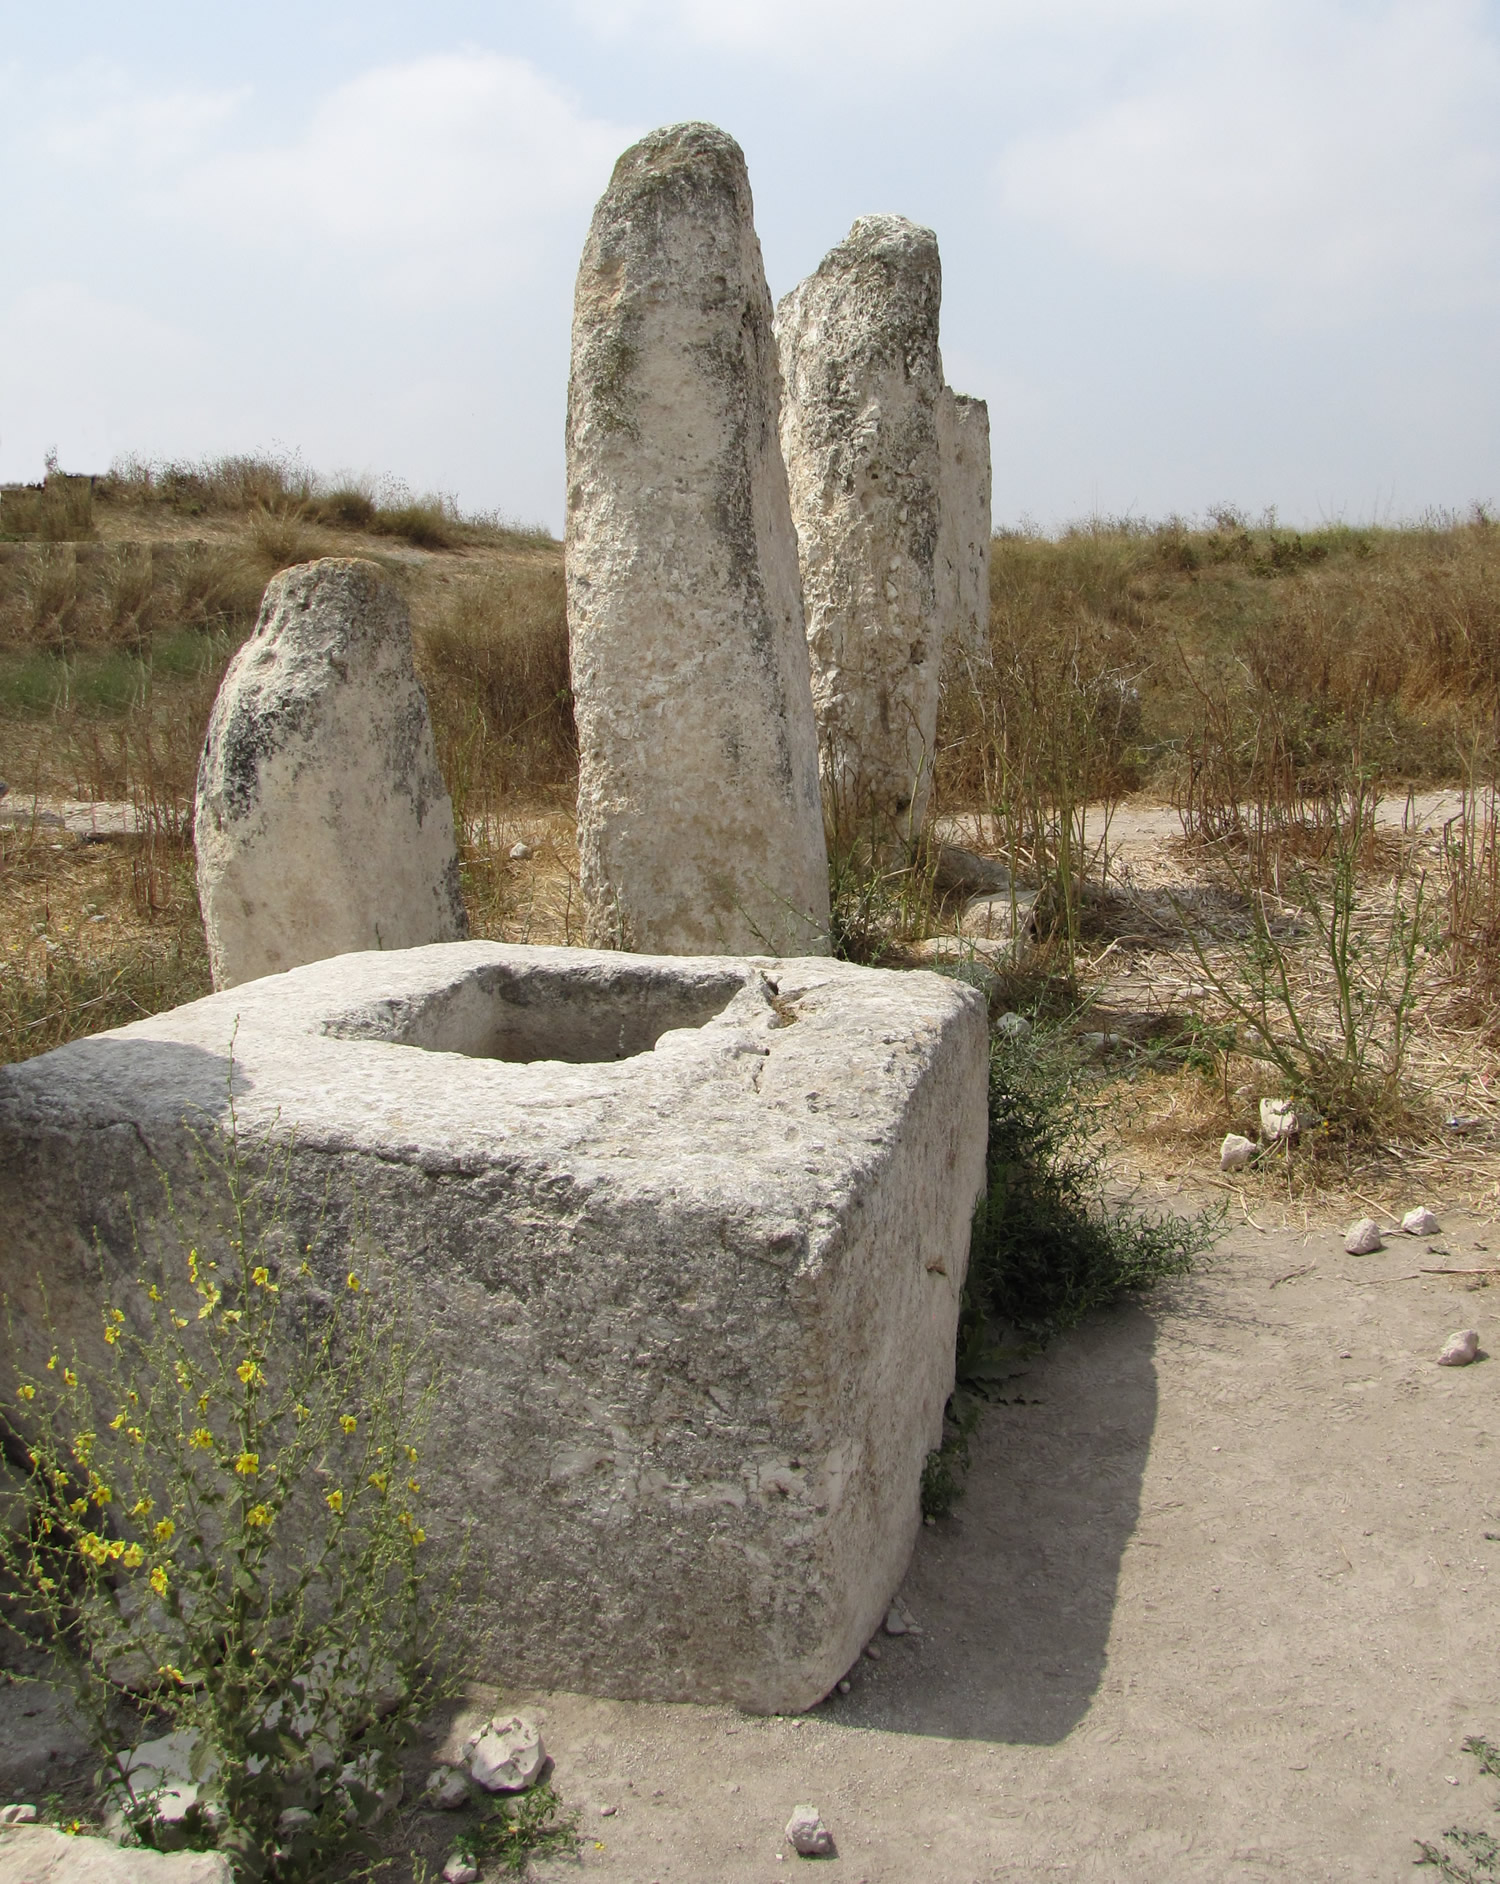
859,430
322,825
964,524
699,821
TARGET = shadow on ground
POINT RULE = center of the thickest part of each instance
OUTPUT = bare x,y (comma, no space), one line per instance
1015,1593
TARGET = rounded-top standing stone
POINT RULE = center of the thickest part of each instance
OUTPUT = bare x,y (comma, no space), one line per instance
964,527
699,819
859,431
322,825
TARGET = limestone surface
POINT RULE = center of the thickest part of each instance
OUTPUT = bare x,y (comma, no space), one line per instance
964,524
699,820
322,824
860,434
687,1237
39,1854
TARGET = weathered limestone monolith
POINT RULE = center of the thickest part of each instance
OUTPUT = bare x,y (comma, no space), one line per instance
322,824
964,524
859,431
699,823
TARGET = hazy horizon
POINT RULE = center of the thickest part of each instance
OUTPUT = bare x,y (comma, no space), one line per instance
1194,254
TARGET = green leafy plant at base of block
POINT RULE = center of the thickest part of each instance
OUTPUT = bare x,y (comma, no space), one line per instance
1045,1250
220,1527
509,1832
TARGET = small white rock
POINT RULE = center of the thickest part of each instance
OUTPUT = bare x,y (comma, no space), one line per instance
1013,1026
895,1622
18,1815
1363,1238
845,1686
1236,1152
807,1833
1278,1120
520,852
461,1870
508,1756
608,1811
1420,1222
1460,1348
447,1789
872,1649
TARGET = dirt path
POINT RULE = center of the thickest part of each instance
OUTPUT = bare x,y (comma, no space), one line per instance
1217,1605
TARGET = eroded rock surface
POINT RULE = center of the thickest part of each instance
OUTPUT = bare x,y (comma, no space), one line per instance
322,824
860,434
699,822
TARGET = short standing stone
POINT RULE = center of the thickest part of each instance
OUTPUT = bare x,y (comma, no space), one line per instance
1420,1222
807,1833
508,1756
1460,1348
700,826
964,526
1236,1152
322,825
1364,1238
859,429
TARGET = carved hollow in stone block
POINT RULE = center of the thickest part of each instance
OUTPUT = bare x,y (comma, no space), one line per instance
687,1236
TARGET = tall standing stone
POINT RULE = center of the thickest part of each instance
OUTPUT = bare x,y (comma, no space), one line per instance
859,430
322,825
699,823
964,525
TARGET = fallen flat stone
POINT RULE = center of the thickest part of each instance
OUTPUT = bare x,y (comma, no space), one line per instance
1235,1152
36,1854
1420,1222
700,822
322,823
1460,1348
807,1833
955,868
688,1237
1364,1238
859,431
1013,1027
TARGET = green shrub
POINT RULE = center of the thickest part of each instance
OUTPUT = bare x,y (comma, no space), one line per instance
220,1527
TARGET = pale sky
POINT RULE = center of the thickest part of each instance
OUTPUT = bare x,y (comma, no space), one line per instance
1194,251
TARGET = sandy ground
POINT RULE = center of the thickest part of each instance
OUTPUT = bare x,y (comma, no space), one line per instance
1217,1605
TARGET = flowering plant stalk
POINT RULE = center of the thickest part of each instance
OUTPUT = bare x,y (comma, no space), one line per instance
221,1524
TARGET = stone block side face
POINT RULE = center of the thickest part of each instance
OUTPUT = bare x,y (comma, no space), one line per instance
699,822
692,1359
322,824
965,525
859,431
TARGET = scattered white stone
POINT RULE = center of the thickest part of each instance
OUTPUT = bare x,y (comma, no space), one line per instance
1278,1120
700,820
371,1774
845,1686
508,1755
1236,1152
162,1768
1364,1238
18,1815
1013,1027
872,1649
895,1622
807,1834
291,1819
1420,1222
1001,916
520,852
461,1870
322,823
1460,1348
609,1811
447,1789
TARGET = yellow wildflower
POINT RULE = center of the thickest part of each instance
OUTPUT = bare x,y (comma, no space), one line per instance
78,1507
302,1412
261,1276
335,1501
111,1336
52,1364
164,1530
26,1393
142,1508
154,1293
70,1377
202,1438
348,1422
259,1516
412,1486
411,1453
117,1422
251,1374
418,1535
351,1281
100,1492
132,1556
248,1464
380,1480
158,1580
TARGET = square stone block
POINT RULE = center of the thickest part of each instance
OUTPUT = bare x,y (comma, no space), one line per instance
687,1236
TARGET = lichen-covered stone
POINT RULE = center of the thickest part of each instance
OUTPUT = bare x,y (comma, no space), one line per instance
686,1236
699,822
859,431
322,823
964,524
